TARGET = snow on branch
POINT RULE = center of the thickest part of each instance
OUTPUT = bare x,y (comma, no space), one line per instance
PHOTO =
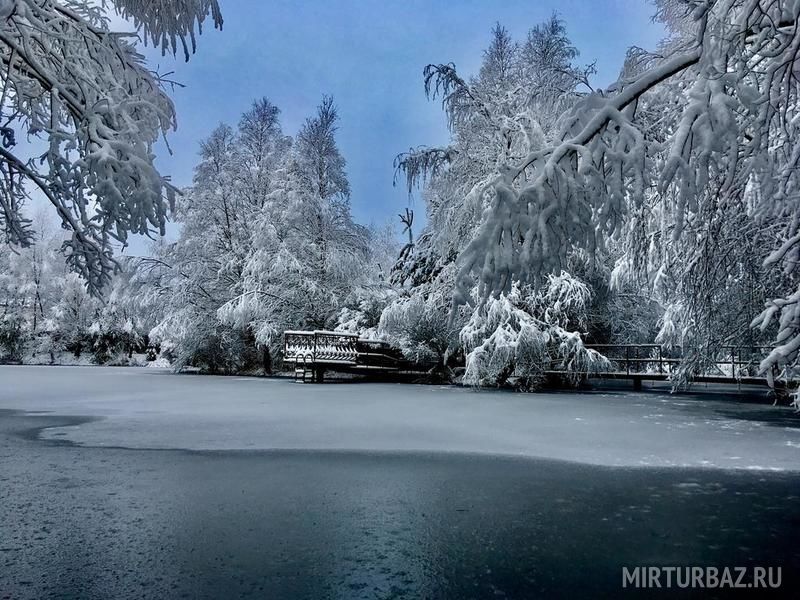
97,110
524,333
737,67
164,23
577,193
459,101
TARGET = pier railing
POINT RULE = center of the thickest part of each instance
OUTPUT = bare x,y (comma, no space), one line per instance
631,359
320,347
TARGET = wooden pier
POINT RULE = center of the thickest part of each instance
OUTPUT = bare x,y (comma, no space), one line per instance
313,353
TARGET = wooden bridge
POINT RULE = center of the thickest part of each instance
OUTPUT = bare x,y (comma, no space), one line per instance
312,353
652,362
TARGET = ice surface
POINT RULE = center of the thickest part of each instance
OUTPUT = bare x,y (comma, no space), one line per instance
151,408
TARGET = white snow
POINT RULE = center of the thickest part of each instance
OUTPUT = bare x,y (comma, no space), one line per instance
148,408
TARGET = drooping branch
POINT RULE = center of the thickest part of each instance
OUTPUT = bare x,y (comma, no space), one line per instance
421,164
458,99
615,105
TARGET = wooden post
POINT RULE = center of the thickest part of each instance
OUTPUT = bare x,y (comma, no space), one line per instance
627,360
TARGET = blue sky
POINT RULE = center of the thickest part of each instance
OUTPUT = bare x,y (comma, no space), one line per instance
369,55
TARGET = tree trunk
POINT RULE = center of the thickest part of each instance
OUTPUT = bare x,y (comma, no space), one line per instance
267,361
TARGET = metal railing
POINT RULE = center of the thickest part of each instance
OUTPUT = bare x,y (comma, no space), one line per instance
734,362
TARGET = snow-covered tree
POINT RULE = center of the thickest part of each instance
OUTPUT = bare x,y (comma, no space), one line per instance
72,316
15,303
81,113
373,291
121,322
267,243
221,216
693,145
420,325
47,313
29,280
508,110
308,255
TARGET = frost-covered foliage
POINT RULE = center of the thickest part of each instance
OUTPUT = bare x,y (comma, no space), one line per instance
308,254
670,197
81,112
72,315
46,311
719,147
29,279
267,244
120,325
192,278
525,332
167,23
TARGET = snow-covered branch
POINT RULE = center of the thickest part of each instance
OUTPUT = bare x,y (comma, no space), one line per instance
87,97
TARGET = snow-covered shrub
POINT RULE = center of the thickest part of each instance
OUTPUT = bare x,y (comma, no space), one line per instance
227,351
114,341
422,327
205,344
526,332
12,338
119,327
502,339
365,318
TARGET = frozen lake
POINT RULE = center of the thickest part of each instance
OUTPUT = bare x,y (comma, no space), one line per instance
123,483
145,408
